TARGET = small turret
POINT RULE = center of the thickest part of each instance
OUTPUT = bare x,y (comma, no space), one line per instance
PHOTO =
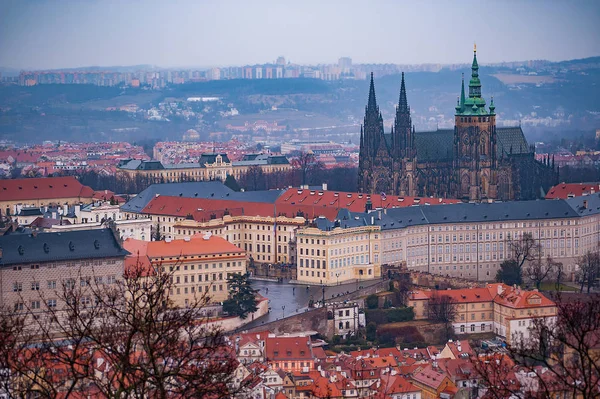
492,107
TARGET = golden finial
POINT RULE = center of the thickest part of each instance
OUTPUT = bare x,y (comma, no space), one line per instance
474,47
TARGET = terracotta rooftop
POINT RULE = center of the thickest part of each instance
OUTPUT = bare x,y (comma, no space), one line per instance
569,190
43,188
515,297
354,202
429,377
204,209
288,348
196,245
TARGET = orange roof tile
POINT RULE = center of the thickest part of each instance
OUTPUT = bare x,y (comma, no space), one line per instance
567,190
515,297
196,245
204,209
429,377
354,202
288,348
43,188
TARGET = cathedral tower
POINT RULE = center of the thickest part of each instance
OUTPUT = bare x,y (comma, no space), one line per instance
403,143
475,146
375,161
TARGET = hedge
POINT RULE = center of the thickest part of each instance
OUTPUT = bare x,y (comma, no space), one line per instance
382,316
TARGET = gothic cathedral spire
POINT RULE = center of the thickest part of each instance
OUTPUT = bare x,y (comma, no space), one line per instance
402,130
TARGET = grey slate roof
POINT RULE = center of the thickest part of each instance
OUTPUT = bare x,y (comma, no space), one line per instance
261,159
396,218
511,137
136,164
30,212
439,145
435,146
60,246
208,189
212,158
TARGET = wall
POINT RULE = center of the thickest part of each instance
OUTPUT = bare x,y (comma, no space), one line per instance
232,323
424,279
312,320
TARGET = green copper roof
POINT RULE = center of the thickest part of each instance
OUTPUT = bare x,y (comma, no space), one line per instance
474,104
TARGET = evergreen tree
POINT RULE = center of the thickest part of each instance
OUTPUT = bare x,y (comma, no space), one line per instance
242,297
510,273
157,236
232,183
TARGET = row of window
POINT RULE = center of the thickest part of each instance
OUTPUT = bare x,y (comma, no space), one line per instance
206,266
68,283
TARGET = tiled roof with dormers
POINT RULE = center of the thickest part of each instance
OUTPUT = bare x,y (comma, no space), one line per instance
59,246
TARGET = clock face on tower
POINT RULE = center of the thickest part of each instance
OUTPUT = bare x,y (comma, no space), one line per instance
466,139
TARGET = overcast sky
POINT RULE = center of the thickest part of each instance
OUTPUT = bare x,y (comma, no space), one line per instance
192,33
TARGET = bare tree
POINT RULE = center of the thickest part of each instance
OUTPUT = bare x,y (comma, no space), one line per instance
253,179
308,165
523,249
125,339
442,309
589,270
539,270
559,355
559,274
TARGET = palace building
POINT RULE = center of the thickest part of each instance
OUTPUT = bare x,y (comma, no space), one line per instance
209,167
474,161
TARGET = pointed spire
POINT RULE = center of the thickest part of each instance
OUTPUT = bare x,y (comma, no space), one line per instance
403,102
475,66
492,106
361,137
372,103
462,92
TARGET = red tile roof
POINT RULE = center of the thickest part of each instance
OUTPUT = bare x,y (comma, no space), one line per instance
203,209
567,190
196,245
429,377
462,295
288,348
43,188
394,384
465,349
515,297
355,202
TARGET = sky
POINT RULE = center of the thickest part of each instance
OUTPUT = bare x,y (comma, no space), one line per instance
45,34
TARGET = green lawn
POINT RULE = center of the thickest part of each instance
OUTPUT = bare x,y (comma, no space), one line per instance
548,286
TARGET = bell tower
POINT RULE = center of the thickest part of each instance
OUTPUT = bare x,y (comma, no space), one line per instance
475,146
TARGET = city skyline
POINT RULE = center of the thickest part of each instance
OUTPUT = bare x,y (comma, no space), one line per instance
186,34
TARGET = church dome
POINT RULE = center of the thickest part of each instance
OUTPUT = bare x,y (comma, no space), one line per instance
191,135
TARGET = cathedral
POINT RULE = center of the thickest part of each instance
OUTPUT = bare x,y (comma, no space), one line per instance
475,161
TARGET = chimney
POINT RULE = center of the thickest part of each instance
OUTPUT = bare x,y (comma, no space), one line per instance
324,186
499,289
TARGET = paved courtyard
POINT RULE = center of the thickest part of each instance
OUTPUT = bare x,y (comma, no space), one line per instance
289,299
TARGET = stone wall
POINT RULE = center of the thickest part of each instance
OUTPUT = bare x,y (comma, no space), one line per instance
423,279
232,323
312,320
358,296
283,272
